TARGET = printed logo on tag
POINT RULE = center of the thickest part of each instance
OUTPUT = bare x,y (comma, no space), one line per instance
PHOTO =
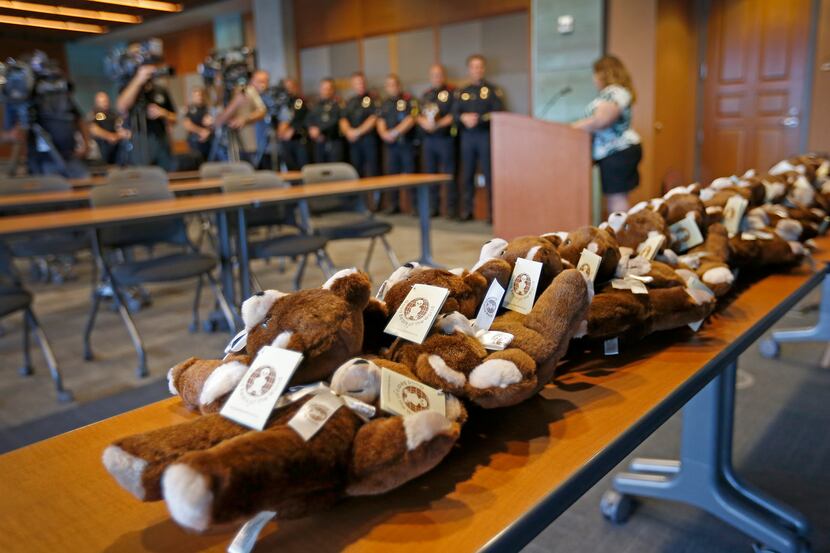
238,342
403,396
686,234
521,290
253,399
588,264
490,306
416,315
651,246
495,340
612,346
313,415
733,212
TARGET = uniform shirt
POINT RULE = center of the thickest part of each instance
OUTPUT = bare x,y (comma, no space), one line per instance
397,108
619,135
359,108
106,119
482,98
196,115
325,115
294,112
152,94
436,103
247,134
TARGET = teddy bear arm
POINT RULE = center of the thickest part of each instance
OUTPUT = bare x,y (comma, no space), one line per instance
204,384
503,378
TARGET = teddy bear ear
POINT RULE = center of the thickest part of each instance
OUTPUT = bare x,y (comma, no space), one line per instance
615,221
555,238
256,307
352,285
397,275
492,248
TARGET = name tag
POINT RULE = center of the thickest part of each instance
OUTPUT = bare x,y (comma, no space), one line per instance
588,264
521,291
253,399
649,248
495,340
733,212
314,414
686,234
490,306
416,314
403,396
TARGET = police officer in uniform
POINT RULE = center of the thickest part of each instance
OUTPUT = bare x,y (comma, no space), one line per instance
396,125
291,128
198,123
105,128
435,121
473,107
324,125
357,124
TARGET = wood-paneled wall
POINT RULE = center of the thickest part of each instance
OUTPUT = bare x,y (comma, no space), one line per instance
319,22
184,50
819,139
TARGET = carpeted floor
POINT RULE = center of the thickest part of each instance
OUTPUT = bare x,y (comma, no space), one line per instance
782,417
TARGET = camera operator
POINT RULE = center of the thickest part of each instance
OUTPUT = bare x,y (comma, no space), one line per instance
105,127
243,111
150,110
199,124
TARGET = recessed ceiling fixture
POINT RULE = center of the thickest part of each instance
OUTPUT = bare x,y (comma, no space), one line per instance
144,4
53,24
69,12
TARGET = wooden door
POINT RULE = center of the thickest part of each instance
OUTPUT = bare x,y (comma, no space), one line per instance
756,58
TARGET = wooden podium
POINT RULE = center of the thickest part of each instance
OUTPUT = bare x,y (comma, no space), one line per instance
541,176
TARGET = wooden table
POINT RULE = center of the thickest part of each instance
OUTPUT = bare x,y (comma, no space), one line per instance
514,469
174,176
80,195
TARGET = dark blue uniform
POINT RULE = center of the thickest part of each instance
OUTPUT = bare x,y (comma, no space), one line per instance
363,153
197,115
482,98
108,120
439,145
294,152
400,154
325,115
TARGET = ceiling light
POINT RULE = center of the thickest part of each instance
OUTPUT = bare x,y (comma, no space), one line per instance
52,24
69,12
144,4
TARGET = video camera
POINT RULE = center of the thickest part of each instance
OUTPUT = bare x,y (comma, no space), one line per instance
275,99
235,67
29,80
122,63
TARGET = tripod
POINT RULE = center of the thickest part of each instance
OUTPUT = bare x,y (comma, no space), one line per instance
138,147
226,139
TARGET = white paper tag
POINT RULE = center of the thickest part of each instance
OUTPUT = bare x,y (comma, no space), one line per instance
495,340
521,291
245,539
633,284
417,313
612,346
588,264
686,234
733,212
696,325
314,414
254,397
238,342
490,306
651,246
403,396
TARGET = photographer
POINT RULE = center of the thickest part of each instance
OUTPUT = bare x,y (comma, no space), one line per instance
106,129
149,110
242,112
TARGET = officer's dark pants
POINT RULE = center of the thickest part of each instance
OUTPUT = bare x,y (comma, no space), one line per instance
400,159
475,148
439,157
294,153
200,148
328,151
363,154
157,153
111,154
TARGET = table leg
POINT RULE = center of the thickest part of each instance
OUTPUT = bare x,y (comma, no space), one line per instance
705,477
424,217
217,320
244,261
818,333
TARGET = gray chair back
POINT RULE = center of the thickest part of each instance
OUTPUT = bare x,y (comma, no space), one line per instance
214,169
128,191
276,214
315,173
146,174
33,184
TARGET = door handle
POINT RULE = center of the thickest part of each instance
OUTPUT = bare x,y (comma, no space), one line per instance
790,122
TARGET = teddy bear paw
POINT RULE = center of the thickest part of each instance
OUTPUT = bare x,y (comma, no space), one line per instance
188,496
443,371
718,276
126,469
495,373
221,381
424,426
357,378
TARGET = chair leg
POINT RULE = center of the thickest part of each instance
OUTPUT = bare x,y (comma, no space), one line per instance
322,261
233,320
63,394
90,323
390,253
141,371
26,368
327,259
298,276
197,297
369,254
255,283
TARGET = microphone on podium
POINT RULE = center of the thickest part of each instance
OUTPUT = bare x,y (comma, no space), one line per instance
565,90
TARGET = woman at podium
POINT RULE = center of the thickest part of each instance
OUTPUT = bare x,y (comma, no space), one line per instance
616,147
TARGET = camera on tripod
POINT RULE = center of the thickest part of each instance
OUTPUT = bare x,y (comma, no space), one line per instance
235,68
122,63
28,78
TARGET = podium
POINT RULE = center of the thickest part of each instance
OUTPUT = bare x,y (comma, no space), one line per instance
541,176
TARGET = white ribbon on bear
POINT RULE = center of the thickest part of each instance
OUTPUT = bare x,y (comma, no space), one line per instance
450,323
